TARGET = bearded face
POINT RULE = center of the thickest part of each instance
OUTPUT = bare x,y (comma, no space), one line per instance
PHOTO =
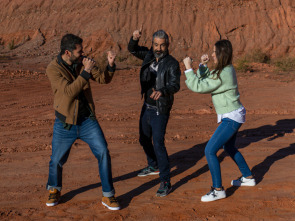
76,55
160,47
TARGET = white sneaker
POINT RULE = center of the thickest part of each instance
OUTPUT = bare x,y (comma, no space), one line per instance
213,195
242,181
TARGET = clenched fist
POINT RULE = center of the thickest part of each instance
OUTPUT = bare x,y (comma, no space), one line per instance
111,58
204,59
88,64
187,63
137,34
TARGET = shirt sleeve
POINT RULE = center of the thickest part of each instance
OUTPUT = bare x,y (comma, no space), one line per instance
202,82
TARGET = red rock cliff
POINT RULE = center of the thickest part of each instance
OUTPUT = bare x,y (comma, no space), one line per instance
193,25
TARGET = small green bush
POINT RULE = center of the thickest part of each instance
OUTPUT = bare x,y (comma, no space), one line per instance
242,65
257,56
285,64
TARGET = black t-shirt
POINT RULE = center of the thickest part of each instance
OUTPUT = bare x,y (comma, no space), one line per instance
153,71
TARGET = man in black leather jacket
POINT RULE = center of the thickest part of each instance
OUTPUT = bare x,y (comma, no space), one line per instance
159,79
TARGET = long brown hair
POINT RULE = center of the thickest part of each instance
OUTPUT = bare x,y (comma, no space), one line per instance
224,55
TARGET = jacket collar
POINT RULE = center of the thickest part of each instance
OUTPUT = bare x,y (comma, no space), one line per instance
59,59
70,68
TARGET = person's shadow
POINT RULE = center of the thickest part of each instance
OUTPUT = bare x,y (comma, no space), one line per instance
245,138
262,168
186,159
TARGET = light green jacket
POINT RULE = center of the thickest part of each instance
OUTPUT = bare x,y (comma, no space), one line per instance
224,90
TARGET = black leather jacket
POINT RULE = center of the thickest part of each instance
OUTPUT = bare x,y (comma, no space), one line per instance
168,77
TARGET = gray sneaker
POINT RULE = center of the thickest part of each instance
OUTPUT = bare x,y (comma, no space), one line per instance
148,171
164,190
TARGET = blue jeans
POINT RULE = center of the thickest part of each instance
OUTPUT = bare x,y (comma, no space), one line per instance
152,129
224,136
90,132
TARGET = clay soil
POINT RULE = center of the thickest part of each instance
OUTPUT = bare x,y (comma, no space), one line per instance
266,140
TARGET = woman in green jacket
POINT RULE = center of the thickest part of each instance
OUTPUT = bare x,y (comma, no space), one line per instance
222,84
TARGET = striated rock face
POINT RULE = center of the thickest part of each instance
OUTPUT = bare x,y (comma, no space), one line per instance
193,25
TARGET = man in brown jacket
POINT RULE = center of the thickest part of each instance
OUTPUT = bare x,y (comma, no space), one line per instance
69,76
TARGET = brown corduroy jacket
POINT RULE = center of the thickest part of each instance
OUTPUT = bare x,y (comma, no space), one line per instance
66,88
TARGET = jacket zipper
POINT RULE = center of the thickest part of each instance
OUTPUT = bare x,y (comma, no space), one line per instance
157,101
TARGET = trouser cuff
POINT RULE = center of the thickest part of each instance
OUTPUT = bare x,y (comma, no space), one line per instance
109,194
54,187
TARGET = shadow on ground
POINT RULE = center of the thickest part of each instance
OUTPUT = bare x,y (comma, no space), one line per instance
186,159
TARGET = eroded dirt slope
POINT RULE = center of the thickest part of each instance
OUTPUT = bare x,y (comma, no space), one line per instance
194,26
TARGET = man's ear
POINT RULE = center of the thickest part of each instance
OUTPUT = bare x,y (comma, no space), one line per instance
67,52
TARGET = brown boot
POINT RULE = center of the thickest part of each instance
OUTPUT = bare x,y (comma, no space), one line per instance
53,198
110,202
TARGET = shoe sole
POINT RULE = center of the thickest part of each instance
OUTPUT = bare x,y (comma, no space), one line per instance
160,195
51,204
153,173
205,201
109,207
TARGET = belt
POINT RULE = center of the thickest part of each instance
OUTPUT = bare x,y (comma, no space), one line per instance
148,106
151,107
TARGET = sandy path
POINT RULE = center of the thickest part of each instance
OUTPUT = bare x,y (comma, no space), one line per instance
266,141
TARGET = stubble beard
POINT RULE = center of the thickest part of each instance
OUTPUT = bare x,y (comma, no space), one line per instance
160,55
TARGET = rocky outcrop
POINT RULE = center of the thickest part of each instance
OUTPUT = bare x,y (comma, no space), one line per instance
193,26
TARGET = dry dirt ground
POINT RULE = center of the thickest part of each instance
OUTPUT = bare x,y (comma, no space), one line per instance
267,141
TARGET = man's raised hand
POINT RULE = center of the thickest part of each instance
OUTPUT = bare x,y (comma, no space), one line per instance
137,33
111,58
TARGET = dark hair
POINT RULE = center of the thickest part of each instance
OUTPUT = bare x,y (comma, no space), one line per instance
69,42
162,35
224,55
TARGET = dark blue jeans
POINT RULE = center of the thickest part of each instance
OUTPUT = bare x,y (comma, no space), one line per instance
224,136
90,132
152,129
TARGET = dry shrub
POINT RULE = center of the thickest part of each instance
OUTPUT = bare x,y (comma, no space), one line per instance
11,45
285,64
126,58
242,65
101,60
133,61
257,56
